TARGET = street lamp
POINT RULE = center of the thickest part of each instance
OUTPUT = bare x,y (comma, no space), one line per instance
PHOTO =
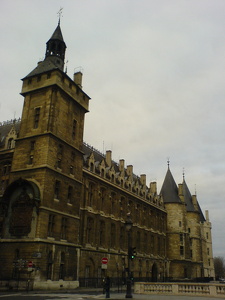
128,226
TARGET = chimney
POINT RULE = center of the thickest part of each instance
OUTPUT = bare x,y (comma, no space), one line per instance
129,170
77,78
153,187
207,215
143,179
121,165
180,189
108,158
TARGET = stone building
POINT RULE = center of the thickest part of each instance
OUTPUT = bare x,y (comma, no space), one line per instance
63,204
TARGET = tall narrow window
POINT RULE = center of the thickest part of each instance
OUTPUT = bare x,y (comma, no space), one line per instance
181,250
90,225
32,145
62,266
49,265
74,128
181,237
64,228
90,194
51,224
36,116
57,189
10,143
69,194
113,236
102,233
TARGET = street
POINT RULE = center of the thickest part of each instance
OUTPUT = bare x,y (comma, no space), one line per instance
82,296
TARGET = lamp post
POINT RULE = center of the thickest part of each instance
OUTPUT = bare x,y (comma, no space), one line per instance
128,226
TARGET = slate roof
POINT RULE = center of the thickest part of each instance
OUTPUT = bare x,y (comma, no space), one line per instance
187,197
44,66
50,62
169,190
57,34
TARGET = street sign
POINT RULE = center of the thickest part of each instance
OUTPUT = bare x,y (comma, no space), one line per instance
30,264
105,260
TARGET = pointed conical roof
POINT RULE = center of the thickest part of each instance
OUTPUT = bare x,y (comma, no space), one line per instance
187,197
169,189
57,34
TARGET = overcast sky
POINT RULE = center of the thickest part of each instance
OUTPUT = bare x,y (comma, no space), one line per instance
155,71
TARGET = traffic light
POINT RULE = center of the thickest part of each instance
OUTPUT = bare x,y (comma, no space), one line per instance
132,252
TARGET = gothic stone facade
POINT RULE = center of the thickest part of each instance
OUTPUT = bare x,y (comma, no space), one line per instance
63,205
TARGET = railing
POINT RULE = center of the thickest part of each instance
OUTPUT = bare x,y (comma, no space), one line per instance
190,289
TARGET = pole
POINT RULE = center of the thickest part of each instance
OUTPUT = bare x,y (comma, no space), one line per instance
129,292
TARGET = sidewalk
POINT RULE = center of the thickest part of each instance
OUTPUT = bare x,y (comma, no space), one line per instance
116,296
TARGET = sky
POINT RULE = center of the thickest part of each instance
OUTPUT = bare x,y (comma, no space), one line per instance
155,73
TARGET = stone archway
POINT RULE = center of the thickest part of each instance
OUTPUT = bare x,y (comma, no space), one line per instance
154,273
21,201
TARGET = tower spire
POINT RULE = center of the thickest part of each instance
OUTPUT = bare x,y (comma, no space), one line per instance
59,13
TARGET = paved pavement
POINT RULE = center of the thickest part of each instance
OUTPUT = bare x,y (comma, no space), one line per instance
77,296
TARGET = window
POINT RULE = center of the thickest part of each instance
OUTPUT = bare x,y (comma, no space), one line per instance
207,235
90,194
64,228
51,224
6,169
62,266
74,127
138,241
181,237
159,246
90,225
180,223
71,170
10,143
69,194
189,230
208,251
59,163
122,237
57,189
113,235
181,250
72,156
32,145
60,149
49,265
209,263
36,116
152,245
31,159
102,233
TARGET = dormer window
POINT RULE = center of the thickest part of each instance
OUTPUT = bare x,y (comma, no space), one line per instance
10,143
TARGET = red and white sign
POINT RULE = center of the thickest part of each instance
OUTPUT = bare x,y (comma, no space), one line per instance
30,264
105,260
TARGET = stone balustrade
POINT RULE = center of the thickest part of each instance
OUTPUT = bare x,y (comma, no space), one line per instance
190,289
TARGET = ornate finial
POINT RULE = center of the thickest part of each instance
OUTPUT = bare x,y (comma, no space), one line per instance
168,162
195,190
59,13
183,173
